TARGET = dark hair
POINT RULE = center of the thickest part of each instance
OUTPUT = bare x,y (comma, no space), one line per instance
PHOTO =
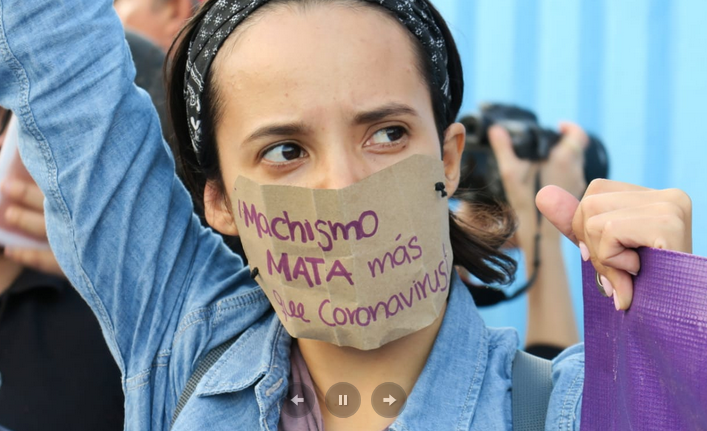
4,119
476,240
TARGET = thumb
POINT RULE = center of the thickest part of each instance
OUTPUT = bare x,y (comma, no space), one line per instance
574,132
502,147
559,207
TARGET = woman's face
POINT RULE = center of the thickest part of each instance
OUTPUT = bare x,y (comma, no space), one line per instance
321,98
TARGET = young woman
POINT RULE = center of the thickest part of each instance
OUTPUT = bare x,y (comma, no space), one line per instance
317,94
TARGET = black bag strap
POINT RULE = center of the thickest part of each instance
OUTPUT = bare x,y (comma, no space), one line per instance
530,393
204,365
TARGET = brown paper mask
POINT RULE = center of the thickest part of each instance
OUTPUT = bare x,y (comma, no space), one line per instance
360,266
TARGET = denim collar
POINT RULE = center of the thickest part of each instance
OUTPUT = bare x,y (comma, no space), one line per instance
452,376
260,357
256,353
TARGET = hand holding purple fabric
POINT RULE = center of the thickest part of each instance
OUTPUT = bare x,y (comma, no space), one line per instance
612,220
644,368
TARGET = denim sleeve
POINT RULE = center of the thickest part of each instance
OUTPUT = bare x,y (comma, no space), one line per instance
119,220
564,410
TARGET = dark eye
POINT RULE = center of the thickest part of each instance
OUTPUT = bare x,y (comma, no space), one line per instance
389,135
283,153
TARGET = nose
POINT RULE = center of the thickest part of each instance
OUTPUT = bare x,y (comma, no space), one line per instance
341,169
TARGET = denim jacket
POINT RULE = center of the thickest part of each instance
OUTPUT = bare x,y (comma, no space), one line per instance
167,290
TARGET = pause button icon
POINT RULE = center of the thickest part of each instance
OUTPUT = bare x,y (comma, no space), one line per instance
343,400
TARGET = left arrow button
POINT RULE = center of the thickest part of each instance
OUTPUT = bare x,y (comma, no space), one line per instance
298,401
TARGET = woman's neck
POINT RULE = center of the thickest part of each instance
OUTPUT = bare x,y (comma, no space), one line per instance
400,362
9,271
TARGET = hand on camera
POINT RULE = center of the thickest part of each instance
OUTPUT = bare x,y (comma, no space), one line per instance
564,167
27,215
612,220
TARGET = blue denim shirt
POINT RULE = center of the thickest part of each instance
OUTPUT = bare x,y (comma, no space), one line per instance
166,290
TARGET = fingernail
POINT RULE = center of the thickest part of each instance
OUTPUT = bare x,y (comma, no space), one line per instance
584,251
608,288
616,303
633,273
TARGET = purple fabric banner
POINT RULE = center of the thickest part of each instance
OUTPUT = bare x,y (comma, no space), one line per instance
646,368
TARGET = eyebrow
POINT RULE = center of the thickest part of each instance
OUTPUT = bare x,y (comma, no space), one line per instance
385,111
285,129
365,117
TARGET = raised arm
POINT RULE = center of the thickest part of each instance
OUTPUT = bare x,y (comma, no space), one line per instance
551,320
119,220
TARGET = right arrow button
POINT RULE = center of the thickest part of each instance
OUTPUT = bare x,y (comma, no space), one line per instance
388,400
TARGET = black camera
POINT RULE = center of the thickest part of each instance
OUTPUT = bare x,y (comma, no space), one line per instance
480,176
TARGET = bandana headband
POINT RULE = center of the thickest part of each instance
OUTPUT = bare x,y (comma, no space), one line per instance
225,15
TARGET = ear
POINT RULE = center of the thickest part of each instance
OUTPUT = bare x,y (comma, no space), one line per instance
217,210
452,149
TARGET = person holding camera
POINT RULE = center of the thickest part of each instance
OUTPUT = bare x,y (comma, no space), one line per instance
508,158
551,320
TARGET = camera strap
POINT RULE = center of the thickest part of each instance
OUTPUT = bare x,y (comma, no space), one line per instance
486,295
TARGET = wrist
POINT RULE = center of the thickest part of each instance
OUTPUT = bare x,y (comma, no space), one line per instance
550,238
548,230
